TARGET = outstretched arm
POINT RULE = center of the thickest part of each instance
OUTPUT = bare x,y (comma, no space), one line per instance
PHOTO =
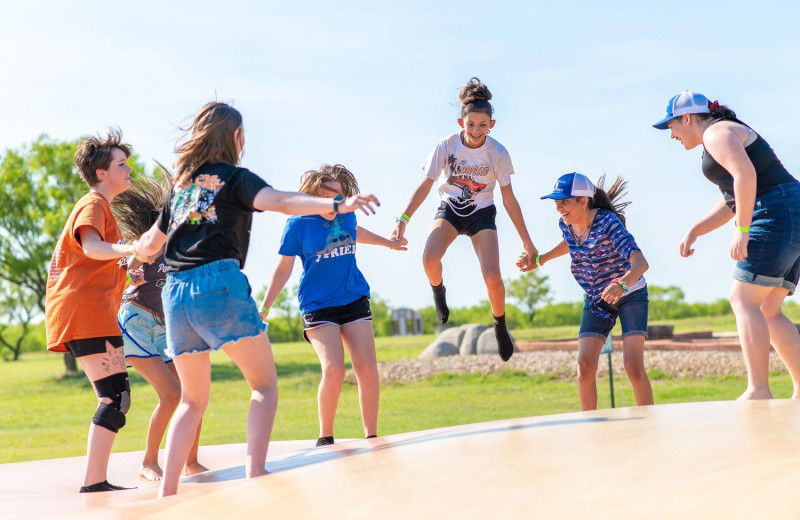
95,248
718,216
149,244
293,203
277,282
560,250
417,198
515,213
364,236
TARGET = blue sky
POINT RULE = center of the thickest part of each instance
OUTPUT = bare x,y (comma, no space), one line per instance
576,87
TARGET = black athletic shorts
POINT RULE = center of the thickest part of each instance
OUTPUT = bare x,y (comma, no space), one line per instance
89,346
339,315
478,221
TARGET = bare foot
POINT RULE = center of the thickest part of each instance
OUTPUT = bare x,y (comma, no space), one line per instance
753,395
193,468
151,472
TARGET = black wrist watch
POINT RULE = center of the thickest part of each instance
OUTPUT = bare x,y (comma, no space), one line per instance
336,201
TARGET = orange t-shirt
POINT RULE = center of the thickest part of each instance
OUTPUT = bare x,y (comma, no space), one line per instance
83,295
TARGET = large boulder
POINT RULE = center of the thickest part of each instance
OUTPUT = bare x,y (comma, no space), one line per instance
469,342
487,343
445,344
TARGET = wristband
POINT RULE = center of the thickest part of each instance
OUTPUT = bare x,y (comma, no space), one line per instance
128,279
743,229
133,252
265,310
622,284
405,217
336,201
538,258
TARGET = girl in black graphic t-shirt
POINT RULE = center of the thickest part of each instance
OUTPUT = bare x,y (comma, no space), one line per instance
205,224
764,198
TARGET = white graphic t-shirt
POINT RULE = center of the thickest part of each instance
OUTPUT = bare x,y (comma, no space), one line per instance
467,175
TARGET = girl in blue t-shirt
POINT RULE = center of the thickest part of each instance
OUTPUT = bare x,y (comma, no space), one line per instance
333,295
608,265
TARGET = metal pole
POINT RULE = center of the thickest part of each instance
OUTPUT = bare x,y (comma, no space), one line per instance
611,379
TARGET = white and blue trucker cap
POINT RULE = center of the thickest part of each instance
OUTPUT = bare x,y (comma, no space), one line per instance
572,185
687,102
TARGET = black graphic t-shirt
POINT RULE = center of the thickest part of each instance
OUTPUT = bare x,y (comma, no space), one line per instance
208,218
148,293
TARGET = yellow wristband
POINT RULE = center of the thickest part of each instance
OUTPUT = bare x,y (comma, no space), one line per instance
538,258
743,229
265,310
133,253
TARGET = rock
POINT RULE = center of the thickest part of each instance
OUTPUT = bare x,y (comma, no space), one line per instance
487,343
469,342
445,344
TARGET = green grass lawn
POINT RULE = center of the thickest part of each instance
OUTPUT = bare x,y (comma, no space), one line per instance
44,417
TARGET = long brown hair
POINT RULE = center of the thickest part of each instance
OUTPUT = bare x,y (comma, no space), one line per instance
211,139
610,199
137,208
311,182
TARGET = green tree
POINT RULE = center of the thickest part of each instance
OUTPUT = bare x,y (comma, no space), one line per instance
530,290
39,185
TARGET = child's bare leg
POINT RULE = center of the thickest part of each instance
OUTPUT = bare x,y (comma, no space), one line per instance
164,379
360,341
588,355
633,358
327,342
254,358
442,235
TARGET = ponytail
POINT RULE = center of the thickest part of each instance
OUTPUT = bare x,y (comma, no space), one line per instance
610,199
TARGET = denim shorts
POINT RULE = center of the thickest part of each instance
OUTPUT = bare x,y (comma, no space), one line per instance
339,315
207,307
773,251
482,219
143,334
632,313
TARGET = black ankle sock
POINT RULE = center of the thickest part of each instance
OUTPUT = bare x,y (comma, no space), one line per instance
505,347
440,302
325,441
371,436
102,486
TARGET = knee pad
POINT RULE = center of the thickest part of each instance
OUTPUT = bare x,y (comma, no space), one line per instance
116,387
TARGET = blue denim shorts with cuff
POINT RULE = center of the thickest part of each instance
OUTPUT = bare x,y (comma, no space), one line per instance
207,307
773,251
632,314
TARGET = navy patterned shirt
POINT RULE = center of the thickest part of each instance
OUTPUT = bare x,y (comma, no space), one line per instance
602,257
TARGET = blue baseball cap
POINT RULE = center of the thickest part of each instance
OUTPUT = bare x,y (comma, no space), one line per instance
571,185
687,102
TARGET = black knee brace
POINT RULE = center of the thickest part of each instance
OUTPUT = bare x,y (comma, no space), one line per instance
116,387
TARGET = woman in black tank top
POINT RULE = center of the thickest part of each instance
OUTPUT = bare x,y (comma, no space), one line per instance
764,199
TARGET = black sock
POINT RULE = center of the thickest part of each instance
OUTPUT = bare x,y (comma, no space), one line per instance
102,486
440,302
505,347
325,441
371,436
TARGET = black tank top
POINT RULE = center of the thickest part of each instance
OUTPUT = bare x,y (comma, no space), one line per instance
769,170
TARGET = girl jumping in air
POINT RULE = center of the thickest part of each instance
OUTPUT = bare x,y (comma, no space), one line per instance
466,166
205,223
141,318
608,265
333,295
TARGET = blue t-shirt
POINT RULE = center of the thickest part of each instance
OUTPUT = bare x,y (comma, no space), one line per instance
327,249
603,256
